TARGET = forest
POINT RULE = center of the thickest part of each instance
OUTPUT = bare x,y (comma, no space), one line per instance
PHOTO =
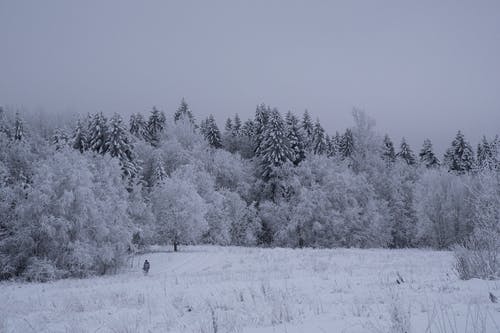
78,197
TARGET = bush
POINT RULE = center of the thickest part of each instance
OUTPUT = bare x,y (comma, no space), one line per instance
40,270
478,258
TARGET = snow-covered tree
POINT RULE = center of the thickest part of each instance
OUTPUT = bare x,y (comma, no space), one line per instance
212,133
318,139
262,113
275,149
307,129
118,145
179,212
18,128
236,125
97,133
388,152
294,137
427,156
138,126
405,153
155,126
346,147
228,127
80,140
486,155
459,157
184,112
60,138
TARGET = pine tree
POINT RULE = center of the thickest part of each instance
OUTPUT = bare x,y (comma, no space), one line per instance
318,139
118,145
294,138
248,128
97,133
212,134
236,125
405,153
138,126
80,138
60,138
307,130
262,114
18,128
228,127
155,126
346,147
485,155
388,153
459,157
184,112
331,146
427,156
275,150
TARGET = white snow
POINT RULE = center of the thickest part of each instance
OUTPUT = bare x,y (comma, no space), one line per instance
232,289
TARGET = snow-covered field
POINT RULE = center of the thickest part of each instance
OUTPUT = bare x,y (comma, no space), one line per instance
231,289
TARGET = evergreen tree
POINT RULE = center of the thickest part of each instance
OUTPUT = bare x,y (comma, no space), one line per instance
118,145
485,155
405,153
427,156
388,153
18,128
294,138
155,126
80,139
60,139
248,128
184,112
307,130
4,124
158,170
459,157
346,147
262,114
236,125
275,150
97,133
318,139
138,126
228,127
212,133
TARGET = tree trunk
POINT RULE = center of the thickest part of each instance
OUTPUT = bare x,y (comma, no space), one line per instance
175,246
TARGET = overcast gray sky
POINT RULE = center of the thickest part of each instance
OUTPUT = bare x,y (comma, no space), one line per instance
420,68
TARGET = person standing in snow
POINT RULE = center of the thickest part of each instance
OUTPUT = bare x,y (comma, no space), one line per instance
145,267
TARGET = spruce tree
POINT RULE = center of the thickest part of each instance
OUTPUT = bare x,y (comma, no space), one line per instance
18,128
138,126
118,145
80,138
388,152
261,117
485,155
236,125
346,147
318,139
307,130
97,133
275,150
294,138
427,156
184,112
248,128
405,153
228,127
155,126
60,138
4,124
212,133
459,157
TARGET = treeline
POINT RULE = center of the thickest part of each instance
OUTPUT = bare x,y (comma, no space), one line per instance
77,199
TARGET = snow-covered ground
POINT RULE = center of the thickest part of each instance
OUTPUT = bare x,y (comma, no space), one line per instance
231,289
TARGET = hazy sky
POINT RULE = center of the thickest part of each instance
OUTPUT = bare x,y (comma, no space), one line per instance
420,68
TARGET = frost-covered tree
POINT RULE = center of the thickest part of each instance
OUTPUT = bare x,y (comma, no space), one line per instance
184,112
318,139
388,152
294,137
59,139
486,155
18,128
236,125
212,133
138,126
179,212
346,147
155,126
97,133
459,157
80,138
118,145
5,124
262,114
405,153
427,156
275,149
307,129
228,127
